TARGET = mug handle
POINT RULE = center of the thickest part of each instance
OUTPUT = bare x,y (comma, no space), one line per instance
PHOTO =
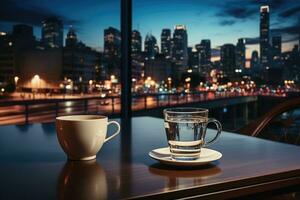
219,129
116,133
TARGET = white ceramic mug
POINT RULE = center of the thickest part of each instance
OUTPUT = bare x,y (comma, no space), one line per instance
82,136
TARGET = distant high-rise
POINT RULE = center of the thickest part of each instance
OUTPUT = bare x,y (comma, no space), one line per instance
254,60
299,41
112,43
180,45
151,48
165,43
52,33
264,37
193,61
204,50
112,51
228,59
255,64
276,47
240,54
136,43
71,39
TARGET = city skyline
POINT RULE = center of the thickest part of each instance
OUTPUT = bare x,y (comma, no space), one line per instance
223,22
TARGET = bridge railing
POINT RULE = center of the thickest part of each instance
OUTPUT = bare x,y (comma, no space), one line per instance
43,110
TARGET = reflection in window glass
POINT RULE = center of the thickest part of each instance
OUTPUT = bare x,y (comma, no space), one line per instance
58,49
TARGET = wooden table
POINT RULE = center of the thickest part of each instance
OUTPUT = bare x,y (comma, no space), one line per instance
33,166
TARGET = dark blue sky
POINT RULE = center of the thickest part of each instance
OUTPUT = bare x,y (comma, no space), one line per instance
222,21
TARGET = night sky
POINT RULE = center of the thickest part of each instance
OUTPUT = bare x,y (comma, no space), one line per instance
222,21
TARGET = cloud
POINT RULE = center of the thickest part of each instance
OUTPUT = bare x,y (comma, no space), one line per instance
12,11
247,8
237,12
227,22
290,39
290,12
293,29
274,4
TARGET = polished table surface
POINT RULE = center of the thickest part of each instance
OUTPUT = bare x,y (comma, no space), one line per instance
33,166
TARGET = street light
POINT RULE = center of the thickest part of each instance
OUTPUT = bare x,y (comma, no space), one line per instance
16,81
91,83
35,81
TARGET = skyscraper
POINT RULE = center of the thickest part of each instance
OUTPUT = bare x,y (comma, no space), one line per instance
7,62
112,51
179,51
136,44
276,47
52,33
228,59
299,41
264,37
151,48
112,43
254,64
165,43
254,60
193,61
71,39
204,50
240,54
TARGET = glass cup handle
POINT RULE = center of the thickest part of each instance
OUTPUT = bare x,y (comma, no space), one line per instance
116,133
219,130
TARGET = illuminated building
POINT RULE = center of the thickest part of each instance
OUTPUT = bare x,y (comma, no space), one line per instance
12,48
7,55
52,33
112,51
151,48
228,59
47,64
240,54
136,43
276,46
166,43
80,62
193,61
264,37
71,40
159,69
204,51
112,43
254,64
179,51
276,51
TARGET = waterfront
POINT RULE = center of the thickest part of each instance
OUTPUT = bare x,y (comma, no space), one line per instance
232,109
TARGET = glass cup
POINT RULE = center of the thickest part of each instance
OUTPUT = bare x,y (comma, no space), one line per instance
186,130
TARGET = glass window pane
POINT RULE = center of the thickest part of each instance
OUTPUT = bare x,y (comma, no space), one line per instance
198,51
58,50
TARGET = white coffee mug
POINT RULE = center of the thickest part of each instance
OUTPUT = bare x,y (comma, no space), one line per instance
82,136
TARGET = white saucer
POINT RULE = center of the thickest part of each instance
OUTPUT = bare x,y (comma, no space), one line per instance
163,155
